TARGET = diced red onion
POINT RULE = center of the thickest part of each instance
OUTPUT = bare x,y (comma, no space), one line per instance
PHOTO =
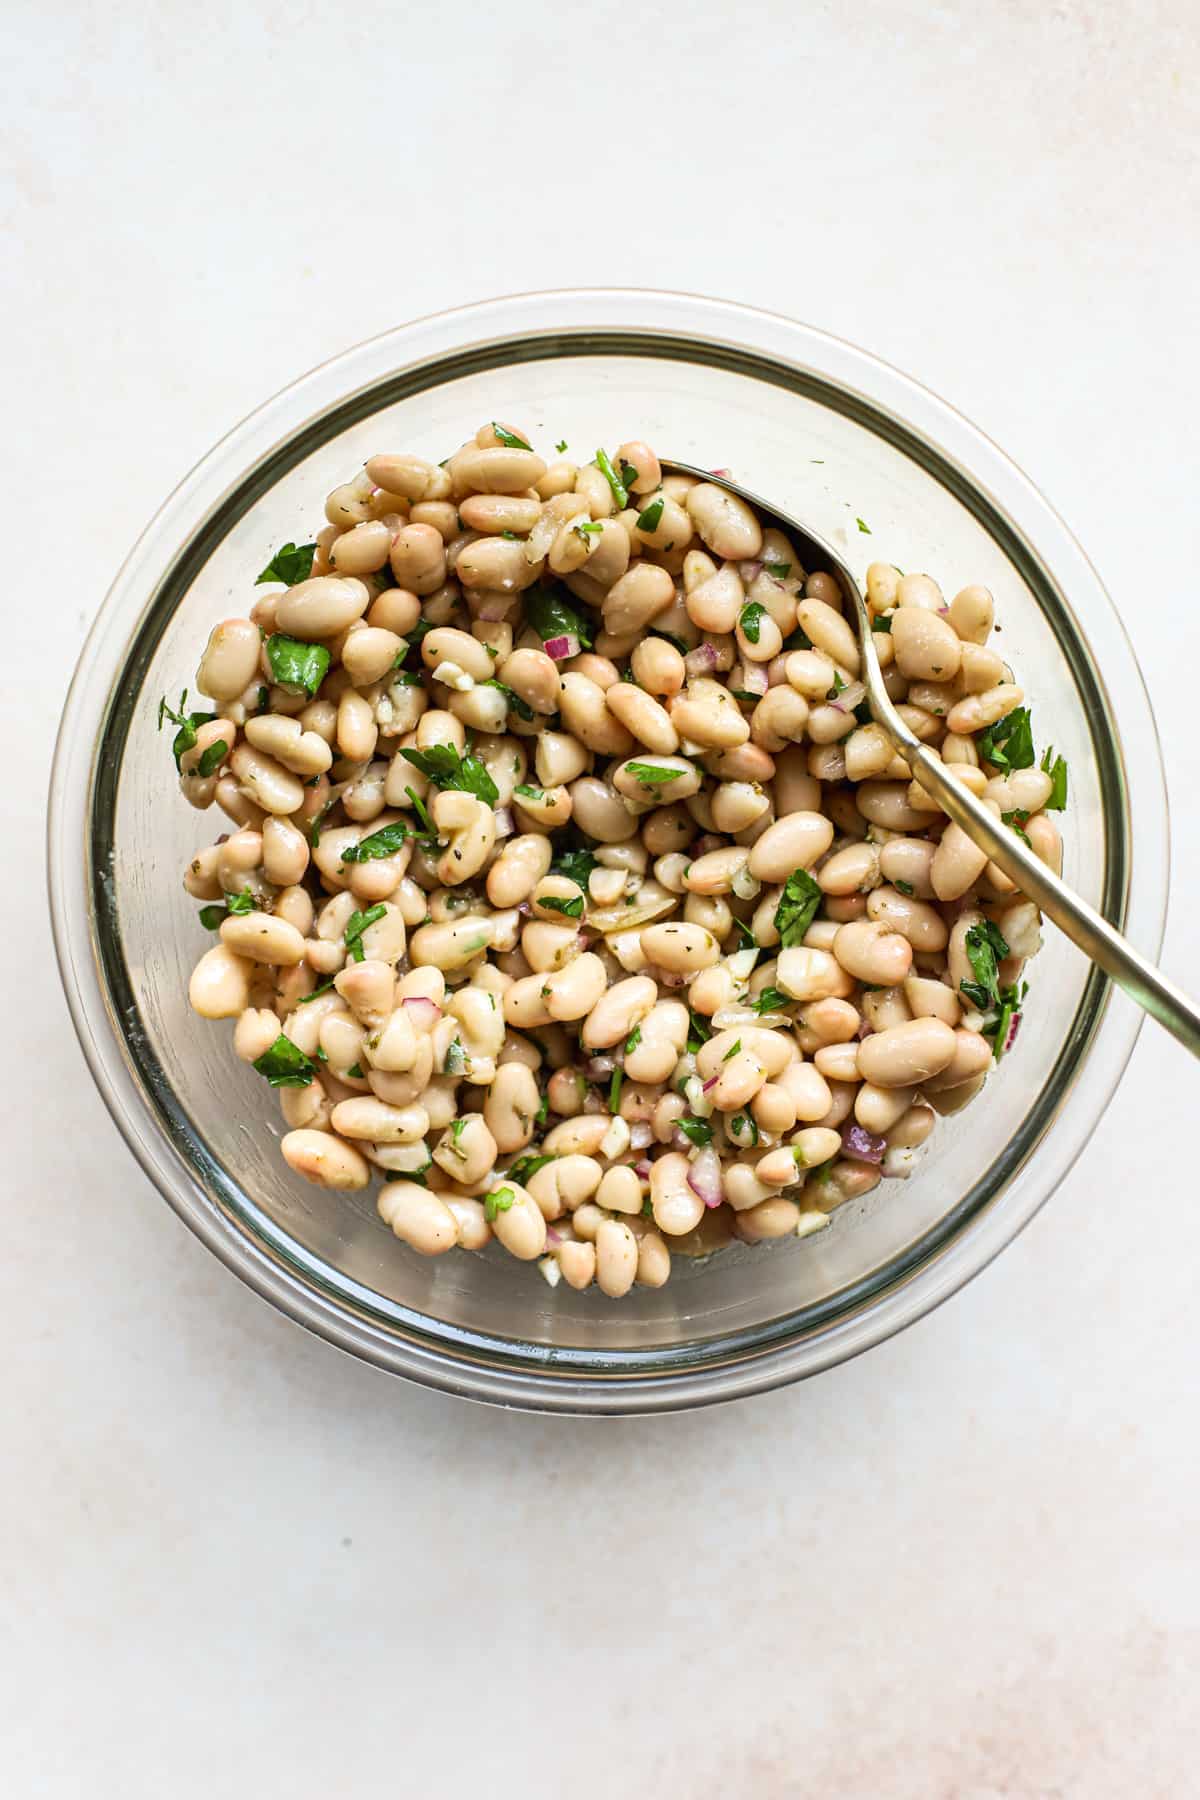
711,1084
704,1177
561,649
641,1135
751,569
861,1145
943,610
493,608
504,822
754,678
702,660
425,1012
1010,1036
865,1030
836,705
523,906
597,1067
727,473
552,1236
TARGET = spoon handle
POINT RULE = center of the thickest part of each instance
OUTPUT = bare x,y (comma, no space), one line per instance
1097,939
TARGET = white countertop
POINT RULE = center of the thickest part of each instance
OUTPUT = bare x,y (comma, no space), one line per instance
234,1561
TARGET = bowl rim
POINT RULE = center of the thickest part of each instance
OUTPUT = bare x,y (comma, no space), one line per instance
565,315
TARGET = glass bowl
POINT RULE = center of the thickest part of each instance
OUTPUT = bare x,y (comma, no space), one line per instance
835,437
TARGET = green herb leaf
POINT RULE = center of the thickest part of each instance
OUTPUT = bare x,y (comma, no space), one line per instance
543,1111
751,619
551,616
797,908
1056,768
509,439
651,775
295,664
561,446
384,842
1015,821
749,941
863,526
633,1040
1008,744
649,517
570,909
316,993
743,1130
698,1130
676,643
614,1089
212,917
592,529
521,707
185,738
699,1033
525,1166
456,1058
447,769
985,947
530,793
905,887
1011,999
771,1000
620,492
355,1070
212,757
779,570
291,564
882,622
356,924
497,1202
796,640
576,865
284,1065
240,903
732,1050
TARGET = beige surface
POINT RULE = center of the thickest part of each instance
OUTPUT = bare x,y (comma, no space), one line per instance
239,1564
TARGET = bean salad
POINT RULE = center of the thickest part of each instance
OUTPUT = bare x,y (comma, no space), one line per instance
569,885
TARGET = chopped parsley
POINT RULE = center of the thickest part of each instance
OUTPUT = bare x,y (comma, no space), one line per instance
743,1129
285,1065
296,664
985,946
561,445
620,492
751,619
771,1000
212,757
185,738
552,617
570,909
614,1089
591,529
384,842
633,1040
749,941
498,1202
698,1130
356,924
456,1059
291,564
1008,744
863,527
1011,999
904,887
650,775
1054,766
229,908
525,1166
576,865
797,640
316,993
732,1050
779,570
521,707
509,439
1016,821
649,517
699,1033
797,908
444,766
676,643
882,622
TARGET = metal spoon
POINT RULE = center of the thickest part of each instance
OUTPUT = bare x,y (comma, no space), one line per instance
1082,923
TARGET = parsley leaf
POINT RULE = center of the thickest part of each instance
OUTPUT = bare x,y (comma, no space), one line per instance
614,1089
904,887
699,1033
525,1166
743,1130
751,619
291,564
576,865
316,993
384,842
185,738
650,775
1015,821
749,941
447,769
285,1065
882,622
356,924
985,945
509,439
797,908
497,1202
649,517
1008,744
779,570
620,492
1056,768
521,707
552,617
213,757
561,445
863,526
732,1050
771,1000
295,664
698,1130
571,909
456,1058
797,640
633,1040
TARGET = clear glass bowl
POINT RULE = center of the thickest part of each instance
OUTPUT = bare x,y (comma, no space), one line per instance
834,436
